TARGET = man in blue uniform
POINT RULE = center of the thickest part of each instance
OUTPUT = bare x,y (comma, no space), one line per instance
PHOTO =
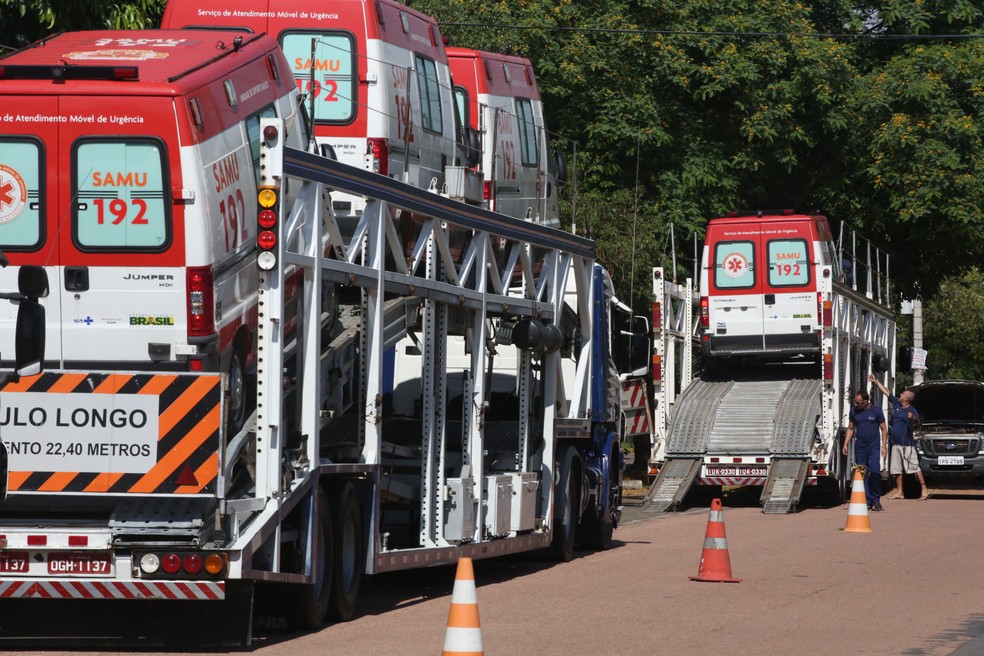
902,450
867,424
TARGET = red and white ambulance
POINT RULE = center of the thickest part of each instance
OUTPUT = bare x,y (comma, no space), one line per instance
377,71
758,284
497,96
128,169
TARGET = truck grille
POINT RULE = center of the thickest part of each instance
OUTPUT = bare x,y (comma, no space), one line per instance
951,447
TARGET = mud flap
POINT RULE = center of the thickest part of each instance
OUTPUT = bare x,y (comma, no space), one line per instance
127,624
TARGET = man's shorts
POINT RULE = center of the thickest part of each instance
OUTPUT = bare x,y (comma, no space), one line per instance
903,460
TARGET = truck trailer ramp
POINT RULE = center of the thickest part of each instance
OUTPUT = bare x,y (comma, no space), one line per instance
763,414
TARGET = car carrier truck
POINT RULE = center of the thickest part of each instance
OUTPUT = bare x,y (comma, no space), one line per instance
791,323
124,491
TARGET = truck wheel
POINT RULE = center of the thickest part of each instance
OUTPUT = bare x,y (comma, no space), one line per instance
329,311
313,600
236,397
567,490
596,532
349,555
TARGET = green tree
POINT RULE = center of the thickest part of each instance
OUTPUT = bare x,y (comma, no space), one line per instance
953,330
33,19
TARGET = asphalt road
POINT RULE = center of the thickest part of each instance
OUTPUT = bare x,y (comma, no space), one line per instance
912,586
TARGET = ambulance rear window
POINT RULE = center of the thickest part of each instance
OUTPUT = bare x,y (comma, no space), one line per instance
789,263
119,185
21,180
430,95
734,265
527,131
334,72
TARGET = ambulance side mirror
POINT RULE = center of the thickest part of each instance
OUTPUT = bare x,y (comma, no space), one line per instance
29,336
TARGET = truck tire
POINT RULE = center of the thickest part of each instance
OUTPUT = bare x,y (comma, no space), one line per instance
596,531
313,600
349,555
567,495
236,397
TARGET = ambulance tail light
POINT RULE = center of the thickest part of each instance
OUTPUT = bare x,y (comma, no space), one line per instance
201,309
488,195
377,153
705,318
267,218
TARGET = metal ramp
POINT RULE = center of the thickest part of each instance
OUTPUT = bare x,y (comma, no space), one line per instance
784,485
672,484
795,427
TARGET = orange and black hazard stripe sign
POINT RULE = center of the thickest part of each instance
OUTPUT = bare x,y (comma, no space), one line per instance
112,433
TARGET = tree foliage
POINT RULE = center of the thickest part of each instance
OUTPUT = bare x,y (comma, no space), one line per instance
677,112
954,332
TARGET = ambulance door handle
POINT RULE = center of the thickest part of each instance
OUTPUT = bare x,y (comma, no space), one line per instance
770,299
77,278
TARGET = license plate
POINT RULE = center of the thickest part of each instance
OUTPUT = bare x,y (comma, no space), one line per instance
13,562
950,460
79,564
737,471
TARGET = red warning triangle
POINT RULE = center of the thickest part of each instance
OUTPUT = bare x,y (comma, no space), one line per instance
187,477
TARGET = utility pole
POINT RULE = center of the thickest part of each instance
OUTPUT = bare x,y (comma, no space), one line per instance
917,338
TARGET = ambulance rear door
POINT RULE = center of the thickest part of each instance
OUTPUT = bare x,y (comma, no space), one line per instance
790,289
30,214
123,283
735,299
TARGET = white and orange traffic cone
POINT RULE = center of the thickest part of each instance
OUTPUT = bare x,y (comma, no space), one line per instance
464,634
857,510
715,564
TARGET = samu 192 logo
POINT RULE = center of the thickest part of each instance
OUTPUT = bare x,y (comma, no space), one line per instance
151,321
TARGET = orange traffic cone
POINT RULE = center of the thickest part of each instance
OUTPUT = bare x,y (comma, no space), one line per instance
857,510
464,635
715,565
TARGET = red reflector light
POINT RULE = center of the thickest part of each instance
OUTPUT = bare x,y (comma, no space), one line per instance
267,219
657,317
715,459
37,540
705,319
124,72
657,369
488,194
186,477
78,540
738,460
171,563
266,240
196,365
193,563
828,369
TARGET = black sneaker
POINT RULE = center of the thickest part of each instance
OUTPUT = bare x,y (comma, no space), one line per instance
877,507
